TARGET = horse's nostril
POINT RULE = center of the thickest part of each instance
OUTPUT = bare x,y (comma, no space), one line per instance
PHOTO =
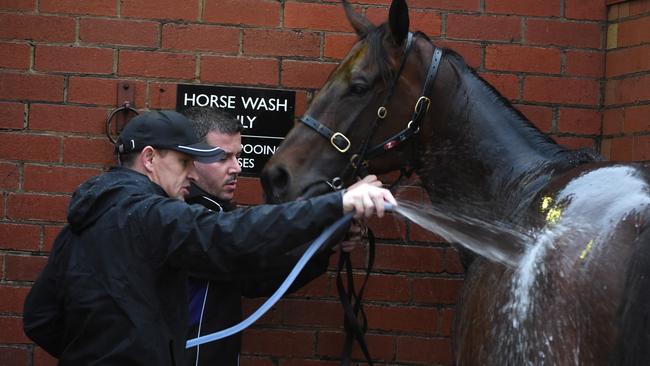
275,181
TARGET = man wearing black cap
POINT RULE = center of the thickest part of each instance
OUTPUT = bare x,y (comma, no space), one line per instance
114,290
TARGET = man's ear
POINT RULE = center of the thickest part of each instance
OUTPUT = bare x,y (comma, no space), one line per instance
146,158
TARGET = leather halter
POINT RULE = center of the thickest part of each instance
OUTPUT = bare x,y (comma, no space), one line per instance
342,143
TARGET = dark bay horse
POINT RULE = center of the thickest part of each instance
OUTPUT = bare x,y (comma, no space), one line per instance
581,295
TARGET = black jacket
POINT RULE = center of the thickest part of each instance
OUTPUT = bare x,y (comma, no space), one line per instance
114,290
216,304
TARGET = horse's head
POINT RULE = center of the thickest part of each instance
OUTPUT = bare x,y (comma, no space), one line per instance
363,109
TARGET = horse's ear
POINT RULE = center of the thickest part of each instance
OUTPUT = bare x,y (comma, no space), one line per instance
398,20
360,24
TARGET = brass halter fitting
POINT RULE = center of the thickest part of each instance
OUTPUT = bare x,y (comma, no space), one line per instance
341,137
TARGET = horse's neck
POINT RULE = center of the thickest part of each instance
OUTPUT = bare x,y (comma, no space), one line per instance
483,150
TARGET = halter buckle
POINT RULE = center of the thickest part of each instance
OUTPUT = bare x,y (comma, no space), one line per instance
354,161
338,135
411,124
417,105
382,112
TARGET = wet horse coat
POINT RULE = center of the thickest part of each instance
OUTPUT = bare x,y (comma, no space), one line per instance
583,294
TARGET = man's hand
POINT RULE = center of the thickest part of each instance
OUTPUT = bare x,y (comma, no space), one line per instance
367,197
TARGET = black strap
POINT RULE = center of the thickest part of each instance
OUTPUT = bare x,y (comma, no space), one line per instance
354,320
339,140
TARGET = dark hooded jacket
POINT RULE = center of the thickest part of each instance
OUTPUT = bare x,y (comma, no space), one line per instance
114,290
216,304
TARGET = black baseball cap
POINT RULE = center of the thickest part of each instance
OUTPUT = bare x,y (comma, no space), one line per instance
165,130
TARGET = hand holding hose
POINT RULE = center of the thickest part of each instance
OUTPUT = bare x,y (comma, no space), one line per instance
367,197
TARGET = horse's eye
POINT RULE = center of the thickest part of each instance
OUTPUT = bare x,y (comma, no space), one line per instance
358,89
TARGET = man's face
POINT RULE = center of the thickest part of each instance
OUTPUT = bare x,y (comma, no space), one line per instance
220,178
173,171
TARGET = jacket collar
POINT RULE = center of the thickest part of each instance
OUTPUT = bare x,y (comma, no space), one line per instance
198,195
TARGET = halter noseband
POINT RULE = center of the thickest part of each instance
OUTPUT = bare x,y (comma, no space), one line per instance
342,143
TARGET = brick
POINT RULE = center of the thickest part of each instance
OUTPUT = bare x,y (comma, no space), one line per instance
381,287
305,74
585,9
329,17
563,33
49,234
119,32
39,207
102,92
67,118
14,356
585,63
12,115
273,317
506,84
628,90
9,176
418,233
576,142
427,351
159,64
542,8
574,91
425,21
74,59
642,148
613,121
469,5
622,149
452,263
249,191
31,87
268,42
579,121
264,13
524,59
634,32
472,53
302,101
17,5
381,347
237,70
53,179
631,60
162,96
495,28
388,227
19,237
23,268
29,147
319,287
403,319
605,148
37,28
436,290
639,7
42,358
636,119
312,314
160,9
15,56
541,117
88,151
408,258
13,299
91,7
192,37
285,343
12,330
338,45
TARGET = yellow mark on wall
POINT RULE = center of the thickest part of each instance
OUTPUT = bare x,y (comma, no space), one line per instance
587,249
546,203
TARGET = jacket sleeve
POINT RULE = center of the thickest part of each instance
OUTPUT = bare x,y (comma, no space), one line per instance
236,242
42,311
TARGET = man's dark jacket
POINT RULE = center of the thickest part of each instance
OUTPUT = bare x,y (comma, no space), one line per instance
216,304
114,290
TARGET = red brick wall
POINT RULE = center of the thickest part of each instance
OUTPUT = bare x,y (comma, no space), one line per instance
626,109
61,60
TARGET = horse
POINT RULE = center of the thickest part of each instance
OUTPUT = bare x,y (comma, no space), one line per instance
397,102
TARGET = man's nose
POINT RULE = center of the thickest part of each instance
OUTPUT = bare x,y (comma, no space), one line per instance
235,168
191,172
